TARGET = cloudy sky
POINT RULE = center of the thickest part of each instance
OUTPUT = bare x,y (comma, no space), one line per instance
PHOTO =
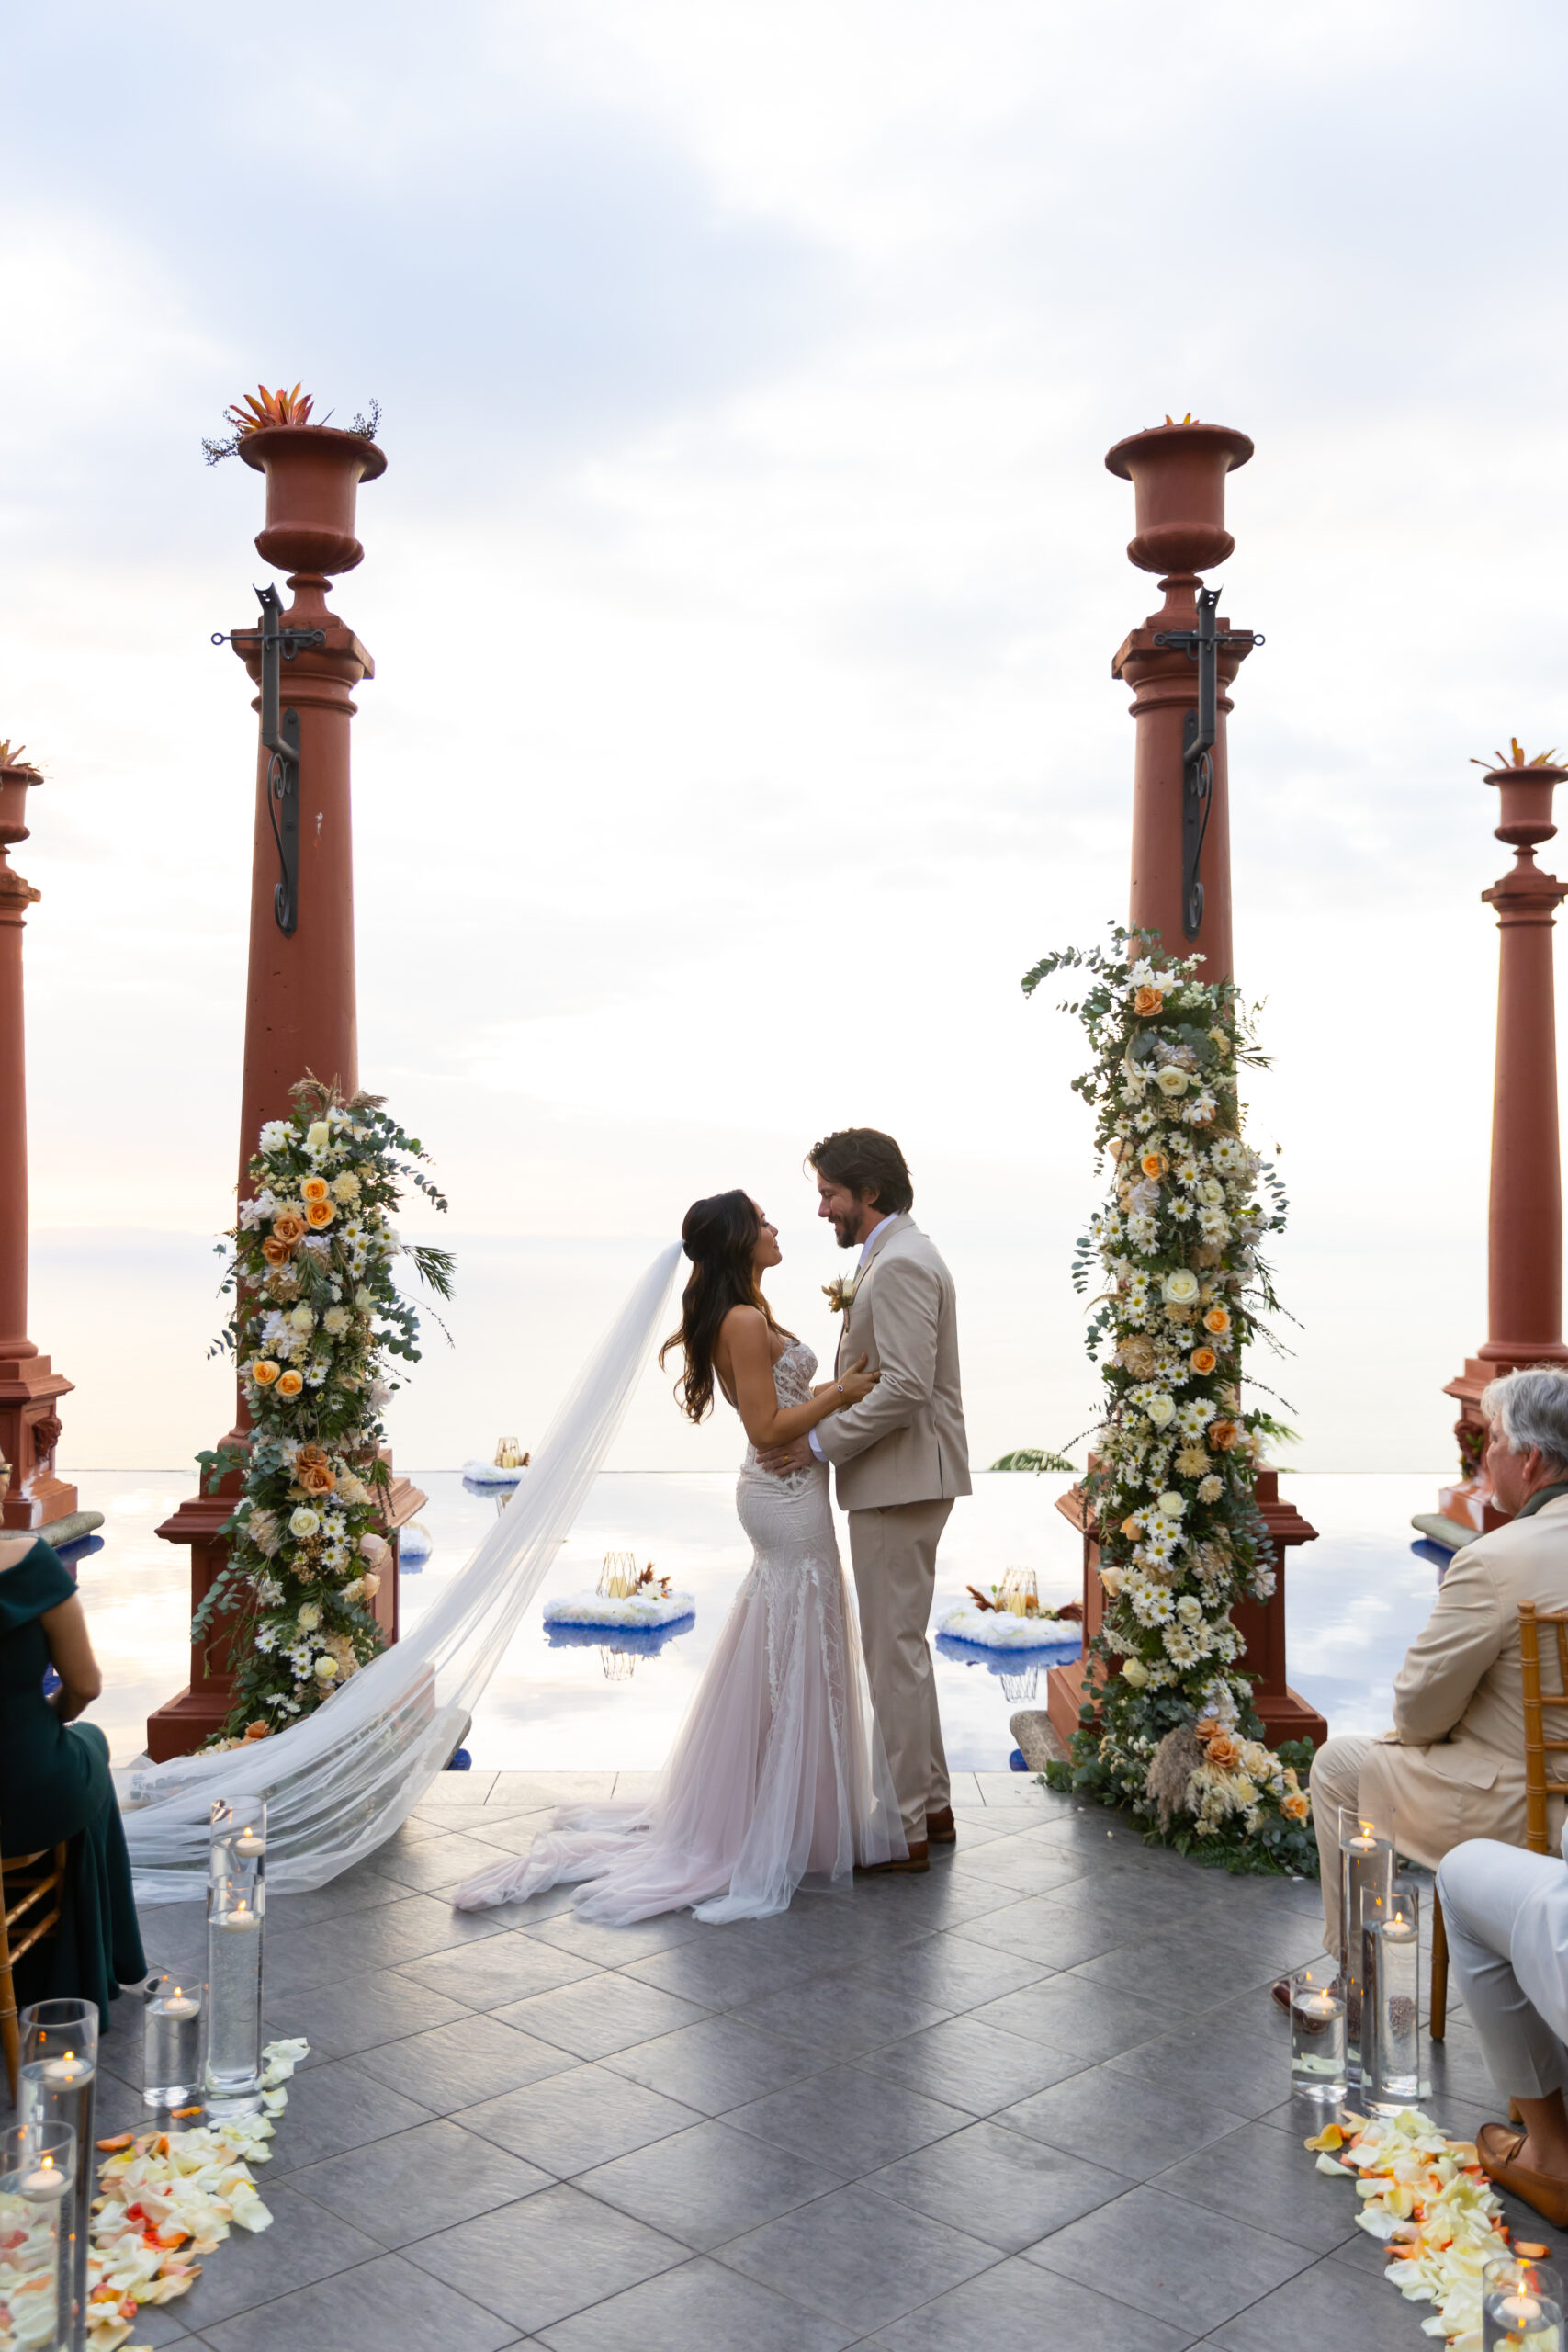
742,589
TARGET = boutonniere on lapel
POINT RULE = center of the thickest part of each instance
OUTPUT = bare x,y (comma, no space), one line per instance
840,1293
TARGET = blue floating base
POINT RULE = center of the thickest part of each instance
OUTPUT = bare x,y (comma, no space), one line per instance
487,1473
629,1641
1016,1762
1057,1653
458,1761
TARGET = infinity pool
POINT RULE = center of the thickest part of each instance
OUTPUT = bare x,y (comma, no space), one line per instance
1356,1597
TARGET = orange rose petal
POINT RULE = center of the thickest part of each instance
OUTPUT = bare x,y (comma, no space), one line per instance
112,2147
1531,2252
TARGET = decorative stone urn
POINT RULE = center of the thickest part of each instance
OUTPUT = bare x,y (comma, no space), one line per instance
1524,1249
1177,473
313,473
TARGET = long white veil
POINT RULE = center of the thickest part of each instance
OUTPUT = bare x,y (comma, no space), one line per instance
339,1783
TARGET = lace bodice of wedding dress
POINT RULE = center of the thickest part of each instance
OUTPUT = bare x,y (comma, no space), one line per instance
777,1777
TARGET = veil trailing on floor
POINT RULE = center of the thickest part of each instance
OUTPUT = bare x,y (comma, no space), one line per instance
338,1784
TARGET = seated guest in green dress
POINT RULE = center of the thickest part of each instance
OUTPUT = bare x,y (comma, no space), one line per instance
55,1785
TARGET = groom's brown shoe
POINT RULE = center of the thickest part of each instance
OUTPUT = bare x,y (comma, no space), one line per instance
918,1859
940,1827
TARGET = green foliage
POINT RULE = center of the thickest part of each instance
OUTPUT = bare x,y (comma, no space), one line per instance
317,1313
1037,1458
1179,1292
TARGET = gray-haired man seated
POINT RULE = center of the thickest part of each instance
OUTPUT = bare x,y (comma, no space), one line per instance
1453,1766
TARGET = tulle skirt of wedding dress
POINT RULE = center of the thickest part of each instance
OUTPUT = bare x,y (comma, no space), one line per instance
778,1778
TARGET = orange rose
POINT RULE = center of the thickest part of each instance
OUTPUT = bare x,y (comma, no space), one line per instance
320,1213
263,1371
276,1253
1222,1435
1218,1320
258,1731
1147,1002
1202,1360
290,1383
1154,1163
316,1188
288,1227
1224,1750
314,1471
1296,1805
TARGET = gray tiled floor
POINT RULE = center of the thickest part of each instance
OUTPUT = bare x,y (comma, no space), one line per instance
1038,2096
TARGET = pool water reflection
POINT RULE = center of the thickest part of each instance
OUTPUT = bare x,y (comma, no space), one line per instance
1357,1597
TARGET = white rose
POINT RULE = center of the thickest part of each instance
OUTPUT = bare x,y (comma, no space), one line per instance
302,1319
1172,1504
303,1523
1111,1577
1135,1671
372,1585
363,1299
1171,1081
1180,1287
326,1669
318,1138
1212,1191
308,1618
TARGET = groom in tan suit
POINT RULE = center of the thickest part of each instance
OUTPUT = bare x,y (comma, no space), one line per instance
900,1454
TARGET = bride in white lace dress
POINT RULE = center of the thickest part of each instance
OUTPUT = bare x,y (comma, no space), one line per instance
778,1778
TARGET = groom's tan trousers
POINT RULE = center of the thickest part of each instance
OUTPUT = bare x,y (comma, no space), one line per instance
894,1552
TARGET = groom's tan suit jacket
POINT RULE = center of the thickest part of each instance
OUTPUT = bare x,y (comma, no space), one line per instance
906,1442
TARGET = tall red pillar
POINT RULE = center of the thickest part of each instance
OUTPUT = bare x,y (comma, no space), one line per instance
1524,1255
1177,473
301,1011
29,1390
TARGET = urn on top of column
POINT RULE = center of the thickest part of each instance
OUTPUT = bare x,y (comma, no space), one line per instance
313,473
1177,473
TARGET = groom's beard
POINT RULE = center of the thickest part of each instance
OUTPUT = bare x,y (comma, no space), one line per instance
843,1233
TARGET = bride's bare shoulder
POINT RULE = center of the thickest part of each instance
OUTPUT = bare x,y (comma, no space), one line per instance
743,1323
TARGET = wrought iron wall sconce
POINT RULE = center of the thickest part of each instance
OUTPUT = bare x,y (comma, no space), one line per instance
280,737
1200,645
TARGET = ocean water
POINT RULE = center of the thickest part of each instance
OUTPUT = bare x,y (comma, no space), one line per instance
1355,1598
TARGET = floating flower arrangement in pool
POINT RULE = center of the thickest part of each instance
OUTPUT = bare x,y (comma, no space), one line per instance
631,1602
1009,1617
506,1470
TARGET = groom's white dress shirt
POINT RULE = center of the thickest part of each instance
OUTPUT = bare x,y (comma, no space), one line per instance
865,1250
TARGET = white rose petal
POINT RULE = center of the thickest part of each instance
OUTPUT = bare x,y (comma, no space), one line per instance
303,1523
1171,1081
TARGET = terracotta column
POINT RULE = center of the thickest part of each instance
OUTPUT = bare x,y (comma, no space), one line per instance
1524,1263
29,1426
1177,473
300,1014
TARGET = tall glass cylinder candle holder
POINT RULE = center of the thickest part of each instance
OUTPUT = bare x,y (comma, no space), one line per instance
38,2182
59,2085
1366,1872
171,2041
1521,2306
236,1907
1390,2012
1317,2034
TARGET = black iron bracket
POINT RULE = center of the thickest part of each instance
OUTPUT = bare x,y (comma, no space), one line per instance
1197,732
280,739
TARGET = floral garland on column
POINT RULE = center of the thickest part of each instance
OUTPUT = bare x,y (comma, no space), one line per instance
1174,1469
316,1312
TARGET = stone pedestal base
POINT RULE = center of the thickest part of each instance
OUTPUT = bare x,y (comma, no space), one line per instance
29,1432
1285,1714
182,1723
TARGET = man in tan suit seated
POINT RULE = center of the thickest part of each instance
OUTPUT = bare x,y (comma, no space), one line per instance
1453,1766
901,1455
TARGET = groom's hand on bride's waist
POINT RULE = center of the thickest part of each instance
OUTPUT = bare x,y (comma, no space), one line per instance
780,1459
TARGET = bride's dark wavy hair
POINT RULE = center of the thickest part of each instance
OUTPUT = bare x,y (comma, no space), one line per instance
720,1237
